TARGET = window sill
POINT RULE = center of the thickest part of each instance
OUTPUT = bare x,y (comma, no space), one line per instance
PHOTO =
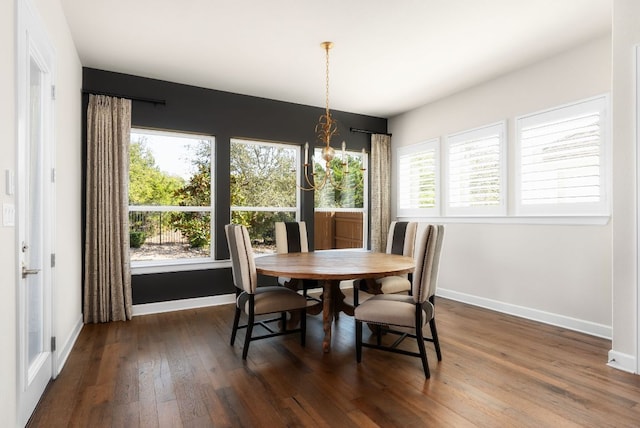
551,220
177,266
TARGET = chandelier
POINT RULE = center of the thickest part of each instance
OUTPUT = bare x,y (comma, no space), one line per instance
325,129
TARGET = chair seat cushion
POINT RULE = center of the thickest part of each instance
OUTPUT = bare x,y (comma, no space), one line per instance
392,309
272,299
363,296
394,284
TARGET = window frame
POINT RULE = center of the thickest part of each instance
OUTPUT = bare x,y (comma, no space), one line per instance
298,156
602,208
413,149
365,197
183,264
485,131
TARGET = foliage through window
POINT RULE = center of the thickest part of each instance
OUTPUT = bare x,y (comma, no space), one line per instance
263,188
341,210
170,198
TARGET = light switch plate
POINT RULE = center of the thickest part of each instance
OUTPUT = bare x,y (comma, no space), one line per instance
10,182
8,215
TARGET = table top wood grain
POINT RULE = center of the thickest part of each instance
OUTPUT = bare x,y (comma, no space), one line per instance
334,265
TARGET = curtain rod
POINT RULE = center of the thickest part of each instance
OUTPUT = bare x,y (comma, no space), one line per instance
154,101
365,131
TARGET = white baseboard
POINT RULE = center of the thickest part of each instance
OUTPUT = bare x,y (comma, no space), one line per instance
64,351
179,305
624,362
588,327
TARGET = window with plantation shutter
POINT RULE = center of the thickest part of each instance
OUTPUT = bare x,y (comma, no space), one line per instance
418,179
561,161
475,171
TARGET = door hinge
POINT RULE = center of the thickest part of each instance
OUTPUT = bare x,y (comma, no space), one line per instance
53,92
53,260
53,175
53,343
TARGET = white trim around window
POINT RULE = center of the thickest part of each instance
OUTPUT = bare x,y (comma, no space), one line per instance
562,160
475,165
418,178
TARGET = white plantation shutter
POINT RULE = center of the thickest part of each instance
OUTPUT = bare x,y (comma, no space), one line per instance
418,179
561,160
475,173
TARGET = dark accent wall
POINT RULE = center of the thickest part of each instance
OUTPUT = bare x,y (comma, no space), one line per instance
223,115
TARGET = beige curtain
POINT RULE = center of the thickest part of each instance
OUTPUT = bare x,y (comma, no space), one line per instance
380,187
107,278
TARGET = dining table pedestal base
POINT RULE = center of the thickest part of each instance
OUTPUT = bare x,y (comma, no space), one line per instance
332,305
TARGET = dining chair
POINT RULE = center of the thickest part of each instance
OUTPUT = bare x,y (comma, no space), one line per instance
406,315
254,300
291,237
401,240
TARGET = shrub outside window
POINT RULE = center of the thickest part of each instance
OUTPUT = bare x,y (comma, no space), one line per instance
263,188
170,198
341,219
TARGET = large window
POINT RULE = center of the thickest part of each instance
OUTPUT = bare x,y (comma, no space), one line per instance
341,209
475,172
263,188
170,198
561,160
418,173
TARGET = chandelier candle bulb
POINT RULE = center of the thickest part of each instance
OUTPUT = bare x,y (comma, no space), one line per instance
306,153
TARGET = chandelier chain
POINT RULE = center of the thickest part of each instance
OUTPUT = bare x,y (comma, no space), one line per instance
327,47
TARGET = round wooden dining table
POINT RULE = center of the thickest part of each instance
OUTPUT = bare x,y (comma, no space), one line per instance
330,267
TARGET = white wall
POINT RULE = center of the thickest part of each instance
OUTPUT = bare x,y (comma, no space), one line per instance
7,234
559,274
625,37
67,305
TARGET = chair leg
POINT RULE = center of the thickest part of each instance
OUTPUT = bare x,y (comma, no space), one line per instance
434,331
247,338
378,335
358,341
236,320
434,336
420,339
303,326
283,321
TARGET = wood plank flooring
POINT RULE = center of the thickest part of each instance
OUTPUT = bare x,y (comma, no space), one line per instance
178,370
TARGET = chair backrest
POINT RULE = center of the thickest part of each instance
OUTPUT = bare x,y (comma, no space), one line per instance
428,249
243,265
291,237
402,238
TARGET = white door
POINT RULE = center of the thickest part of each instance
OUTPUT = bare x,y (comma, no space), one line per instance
34,193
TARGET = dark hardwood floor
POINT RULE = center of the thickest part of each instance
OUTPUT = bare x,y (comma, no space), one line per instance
177,369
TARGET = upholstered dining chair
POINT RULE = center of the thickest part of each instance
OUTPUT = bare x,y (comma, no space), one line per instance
254,300
406,315
291,237
401,240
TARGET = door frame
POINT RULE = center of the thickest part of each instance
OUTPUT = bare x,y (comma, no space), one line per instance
32,41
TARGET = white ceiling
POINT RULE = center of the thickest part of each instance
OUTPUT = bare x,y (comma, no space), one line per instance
388,56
